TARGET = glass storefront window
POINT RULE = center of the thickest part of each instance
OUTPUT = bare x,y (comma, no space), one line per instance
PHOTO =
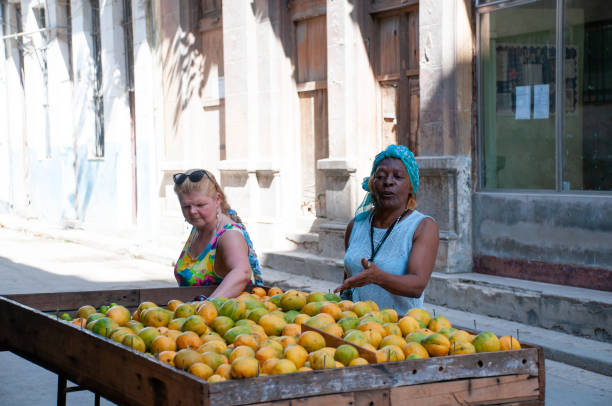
587,119
517,51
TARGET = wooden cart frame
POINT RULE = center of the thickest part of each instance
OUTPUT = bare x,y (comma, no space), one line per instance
128,377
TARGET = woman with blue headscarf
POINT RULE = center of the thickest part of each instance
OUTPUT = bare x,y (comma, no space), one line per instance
390,247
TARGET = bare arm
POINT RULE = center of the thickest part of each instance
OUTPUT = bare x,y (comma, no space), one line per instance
420,266
347,233
232,264
347,237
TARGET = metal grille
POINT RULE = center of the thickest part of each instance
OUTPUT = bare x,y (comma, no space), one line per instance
598,62
98,94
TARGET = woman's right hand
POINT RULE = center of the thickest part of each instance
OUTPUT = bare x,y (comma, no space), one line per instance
368,275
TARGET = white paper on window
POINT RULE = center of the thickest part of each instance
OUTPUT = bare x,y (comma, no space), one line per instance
523,103
541,99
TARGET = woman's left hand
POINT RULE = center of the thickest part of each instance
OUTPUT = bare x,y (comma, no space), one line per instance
232,264
369,275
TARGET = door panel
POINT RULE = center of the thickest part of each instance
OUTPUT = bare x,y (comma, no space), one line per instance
397,67
314,146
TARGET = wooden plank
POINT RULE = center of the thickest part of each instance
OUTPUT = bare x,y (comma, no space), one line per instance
389,106
161,296
389,100
321,149
379,397
494,390
343,399
333,341
222,148
117,373
314,146
380,6
403,125
361,398
305,9
415,104
311,44
340,399
212,104
311,86
541,372
307,153
276,403
68,301
211,23
413,44
210,6
388,78
389,45
375,376
412,72
412,75
211,48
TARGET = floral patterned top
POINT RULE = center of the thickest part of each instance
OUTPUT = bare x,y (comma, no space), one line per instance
199,271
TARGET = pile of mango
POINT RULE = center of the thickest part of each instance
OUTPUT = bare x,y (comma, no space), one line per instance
260,333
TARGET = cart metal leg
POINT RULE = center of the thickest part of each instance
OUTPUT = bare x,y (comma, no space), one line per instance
62,389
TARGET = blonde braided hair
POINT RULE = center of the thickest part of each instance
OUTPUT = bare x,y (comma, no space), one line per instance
210,187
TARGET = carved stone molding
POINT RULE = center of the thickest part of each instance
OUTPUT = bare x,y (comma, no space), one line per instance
445,194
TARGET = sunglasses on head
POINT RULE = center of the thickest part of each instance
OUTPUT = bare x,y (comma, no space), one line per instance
194,176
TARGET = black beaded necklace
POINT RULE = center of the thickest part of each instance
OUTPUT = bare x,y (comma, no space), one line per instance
375,251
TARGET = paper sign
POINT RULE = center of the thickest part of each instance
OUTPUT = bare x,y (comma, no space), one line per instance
540,101
523,103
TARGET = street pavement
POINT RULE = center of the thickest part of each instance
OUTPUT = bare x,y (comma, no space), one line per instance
33,262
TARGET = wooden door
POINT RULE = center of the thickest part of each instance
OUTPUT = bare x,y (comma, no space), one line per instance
397,66
311,78
314,146
390,105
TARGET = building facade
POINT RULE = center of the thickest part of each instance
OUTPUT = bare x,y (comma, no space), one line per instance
542,203
288,101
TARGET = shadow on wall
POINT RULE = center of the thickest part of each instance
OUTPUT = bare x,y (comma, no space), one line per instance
190,69
446,124
447,119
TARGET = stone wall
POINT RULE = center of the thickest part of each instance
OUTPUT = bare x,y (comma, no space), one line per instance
556,238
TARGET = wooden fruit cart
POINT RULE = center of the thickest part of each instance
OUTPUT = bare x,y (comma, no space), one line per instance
29,328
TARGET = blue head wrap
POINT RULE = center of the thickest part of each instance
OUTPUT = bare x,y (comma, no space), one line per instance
392,151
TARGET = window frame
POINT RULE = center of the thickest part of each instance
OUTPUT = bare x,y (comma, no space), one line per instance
486,8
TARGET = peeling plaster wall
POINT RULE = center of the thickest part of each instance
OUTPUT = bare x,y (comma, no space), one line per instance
47,131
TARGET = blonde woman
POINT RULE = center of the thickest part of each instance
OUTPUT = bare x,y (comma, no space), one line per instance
219,250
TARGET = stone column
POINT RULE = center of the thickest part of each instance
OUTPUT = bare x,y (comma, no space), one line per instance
340,167
6,63
60,115
239,55
148,96
16,114
239,61
252,58
445,135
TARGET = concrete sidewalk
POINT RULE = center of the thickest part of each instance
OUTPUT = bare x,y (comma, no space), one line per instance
588,354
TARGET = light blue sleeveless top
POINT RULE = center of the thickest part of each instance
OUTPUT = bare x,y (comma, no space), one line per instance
392,257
